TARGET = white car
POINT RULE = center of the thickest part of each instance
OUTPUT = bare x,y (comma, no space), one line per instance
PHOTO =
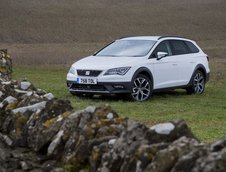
138,66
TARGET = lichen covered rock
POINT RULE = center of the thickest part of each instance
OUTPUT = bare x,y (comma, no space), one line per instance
5,65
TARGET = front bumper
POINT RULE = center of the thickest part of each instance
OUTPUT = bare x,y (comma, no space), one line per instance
100,88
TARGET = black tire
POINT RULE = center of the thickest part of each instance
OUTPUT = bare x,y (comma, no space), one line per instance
198,83
142,88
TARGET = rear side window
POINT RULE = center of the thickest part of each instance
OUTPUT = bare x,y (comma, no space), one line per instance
192,47
179,47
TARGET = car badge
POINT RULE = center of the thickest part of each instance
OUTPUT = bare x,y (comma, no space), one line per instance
87,73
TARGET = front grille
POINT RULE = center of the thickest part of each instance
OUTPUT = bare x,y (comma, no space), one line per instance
84,87
88,72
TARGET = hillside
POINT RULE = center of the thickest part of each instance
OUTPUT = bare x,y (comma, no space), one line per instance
78,28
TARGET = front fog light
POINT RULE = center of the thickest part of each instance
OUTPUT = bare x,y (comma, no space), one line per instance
118,86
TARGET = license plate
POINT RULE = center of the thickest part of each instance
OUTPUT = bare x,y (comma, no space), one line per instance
86,80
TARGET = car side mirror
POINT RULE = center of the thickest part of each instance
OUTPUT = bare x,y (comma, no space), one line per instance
160,55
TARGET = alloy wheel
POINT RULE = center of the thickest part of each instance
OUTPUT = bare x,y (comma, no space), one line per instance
142,88
199,83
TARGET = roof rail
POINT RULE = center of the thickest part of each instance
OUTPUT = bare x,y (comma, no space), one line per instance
124,37
161,37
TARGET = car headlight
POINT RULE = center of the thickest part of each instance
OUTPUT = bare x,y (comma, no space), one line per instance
72,70
117,71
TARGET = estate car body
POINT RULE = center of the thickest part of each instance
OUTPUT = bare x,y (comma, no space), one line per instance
138,66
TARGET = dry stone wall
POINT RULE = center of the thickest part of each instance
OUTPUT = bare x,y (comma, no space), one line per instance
5,65
41,133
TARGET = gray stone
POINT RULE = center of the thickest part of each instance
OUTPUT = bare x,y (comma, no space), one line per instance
166,159
56,142
49,96
28,93
110,115
163,128
1,94
33,108
4,138
24,85
7,101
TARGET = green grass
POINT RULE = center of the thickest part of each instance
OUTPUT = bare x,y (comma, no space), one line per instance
205,114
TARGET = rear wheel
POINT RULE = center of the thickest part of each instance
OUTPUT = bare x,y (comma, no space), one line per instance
198,83
142,88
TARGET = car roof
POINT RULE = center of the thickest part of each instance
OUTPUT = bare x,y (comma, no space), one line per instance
154,38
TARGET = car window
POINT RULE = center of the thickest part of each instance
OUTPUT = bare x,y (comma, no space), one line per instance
192,47
127,48
162,47
179,47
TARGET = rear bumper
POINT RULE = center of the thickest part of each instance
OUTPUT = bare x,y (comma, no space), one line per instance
100,88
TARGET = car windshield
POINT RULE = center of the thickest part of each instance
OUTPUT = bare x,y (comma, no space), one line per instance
127,48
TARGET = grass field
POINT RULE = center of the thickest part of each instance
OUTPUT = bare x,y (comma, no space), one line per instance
205,114
61,31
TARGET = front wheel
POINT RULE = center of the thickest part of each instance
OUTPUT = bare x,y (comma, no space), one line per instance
198,83
142,88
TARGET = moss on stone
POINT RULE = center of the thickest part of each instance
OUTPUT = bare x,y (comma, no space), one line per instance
101,112
49,122
11,106
19,124
65,114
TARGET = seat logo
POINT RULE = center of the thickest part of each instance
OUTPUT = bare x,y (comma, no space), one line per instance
87,73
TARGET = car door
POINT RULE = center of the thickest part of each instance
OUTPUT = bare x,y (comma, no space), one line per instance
185,61
165,70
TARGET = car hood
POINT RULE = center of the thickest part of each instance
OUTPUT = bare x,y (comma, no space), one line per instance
104,63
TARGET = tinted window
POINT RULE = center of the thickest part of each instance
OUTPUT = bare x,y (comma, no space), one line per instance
179,47
192,47
162,47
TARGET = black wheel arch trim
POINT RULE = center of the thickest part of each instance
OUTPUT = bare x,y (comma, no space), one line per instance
199,66
141,70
